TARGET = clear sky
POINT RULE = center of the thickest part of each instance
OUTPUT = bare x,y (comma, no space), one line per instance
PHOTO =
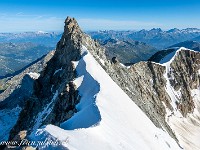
49,15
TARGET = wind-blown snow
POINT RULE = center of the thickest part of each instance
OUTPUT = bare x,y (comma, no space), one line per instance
115,120
88,88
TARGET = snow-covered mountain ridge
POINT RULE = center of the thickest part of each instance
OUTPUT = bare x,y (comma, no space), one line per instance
105,116
86,101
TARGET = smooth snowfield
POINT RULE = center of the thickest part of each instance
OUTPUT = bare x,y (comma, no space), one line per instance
107,119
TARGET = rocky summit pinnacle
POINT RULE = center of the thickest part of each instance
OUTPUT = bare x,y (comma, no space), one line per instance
71,29
71,25
70,41
55,86
165,92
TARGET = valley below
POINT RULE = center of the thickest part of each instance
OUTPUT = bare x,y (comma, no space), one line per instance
125,90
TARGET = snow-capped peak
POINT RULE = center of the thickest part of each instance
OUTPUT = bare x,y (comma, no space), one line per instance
41,32
170,57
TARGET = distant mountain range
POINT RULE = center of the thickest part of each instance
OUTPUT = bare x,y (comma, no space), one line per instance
20,49
188,44
158,56
78,99
40,37
128,51
155,37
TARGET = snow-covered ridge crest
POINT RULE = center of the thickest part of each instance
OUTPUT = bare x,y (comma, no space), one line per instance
102,115
106,118
167,61
170,57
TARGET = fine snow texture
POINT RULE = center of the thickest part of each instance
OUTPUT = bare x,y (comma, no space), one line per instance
106,119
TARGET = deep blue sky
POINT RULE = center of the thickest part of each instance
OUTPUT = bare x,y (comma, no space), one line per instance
48,15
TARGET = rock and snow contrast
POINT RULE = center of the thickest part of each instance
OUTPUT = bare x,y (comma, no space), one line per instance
82,100
185,118
107,118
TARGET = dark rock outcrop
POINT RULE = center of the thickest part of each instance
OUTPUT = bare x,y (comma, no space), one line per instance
53,90
184,76
55,95
22,81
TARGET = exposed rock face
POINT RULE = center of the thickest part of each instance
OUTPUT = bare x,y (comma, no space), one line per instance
55,96
14,86
53,91
16,140
144,83
17,90
184,76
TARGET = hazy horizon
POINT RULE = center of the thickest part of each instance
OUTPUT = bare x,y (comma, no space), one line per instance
60,31
23,16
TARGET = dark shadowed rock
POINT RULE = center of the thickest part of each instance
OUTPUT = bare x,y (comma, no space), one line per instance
144,82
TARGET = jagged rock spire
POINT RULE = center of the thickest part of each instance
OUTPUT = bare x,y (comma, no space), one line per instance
70,42
55,83
71,29
71,25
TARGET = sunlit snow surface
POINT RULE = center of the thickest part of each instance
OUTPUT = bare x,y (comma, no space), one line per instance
107,119
186,129
34,75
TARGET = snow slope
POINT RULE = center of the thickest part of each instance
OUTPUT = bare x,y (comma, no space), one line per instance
106,119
